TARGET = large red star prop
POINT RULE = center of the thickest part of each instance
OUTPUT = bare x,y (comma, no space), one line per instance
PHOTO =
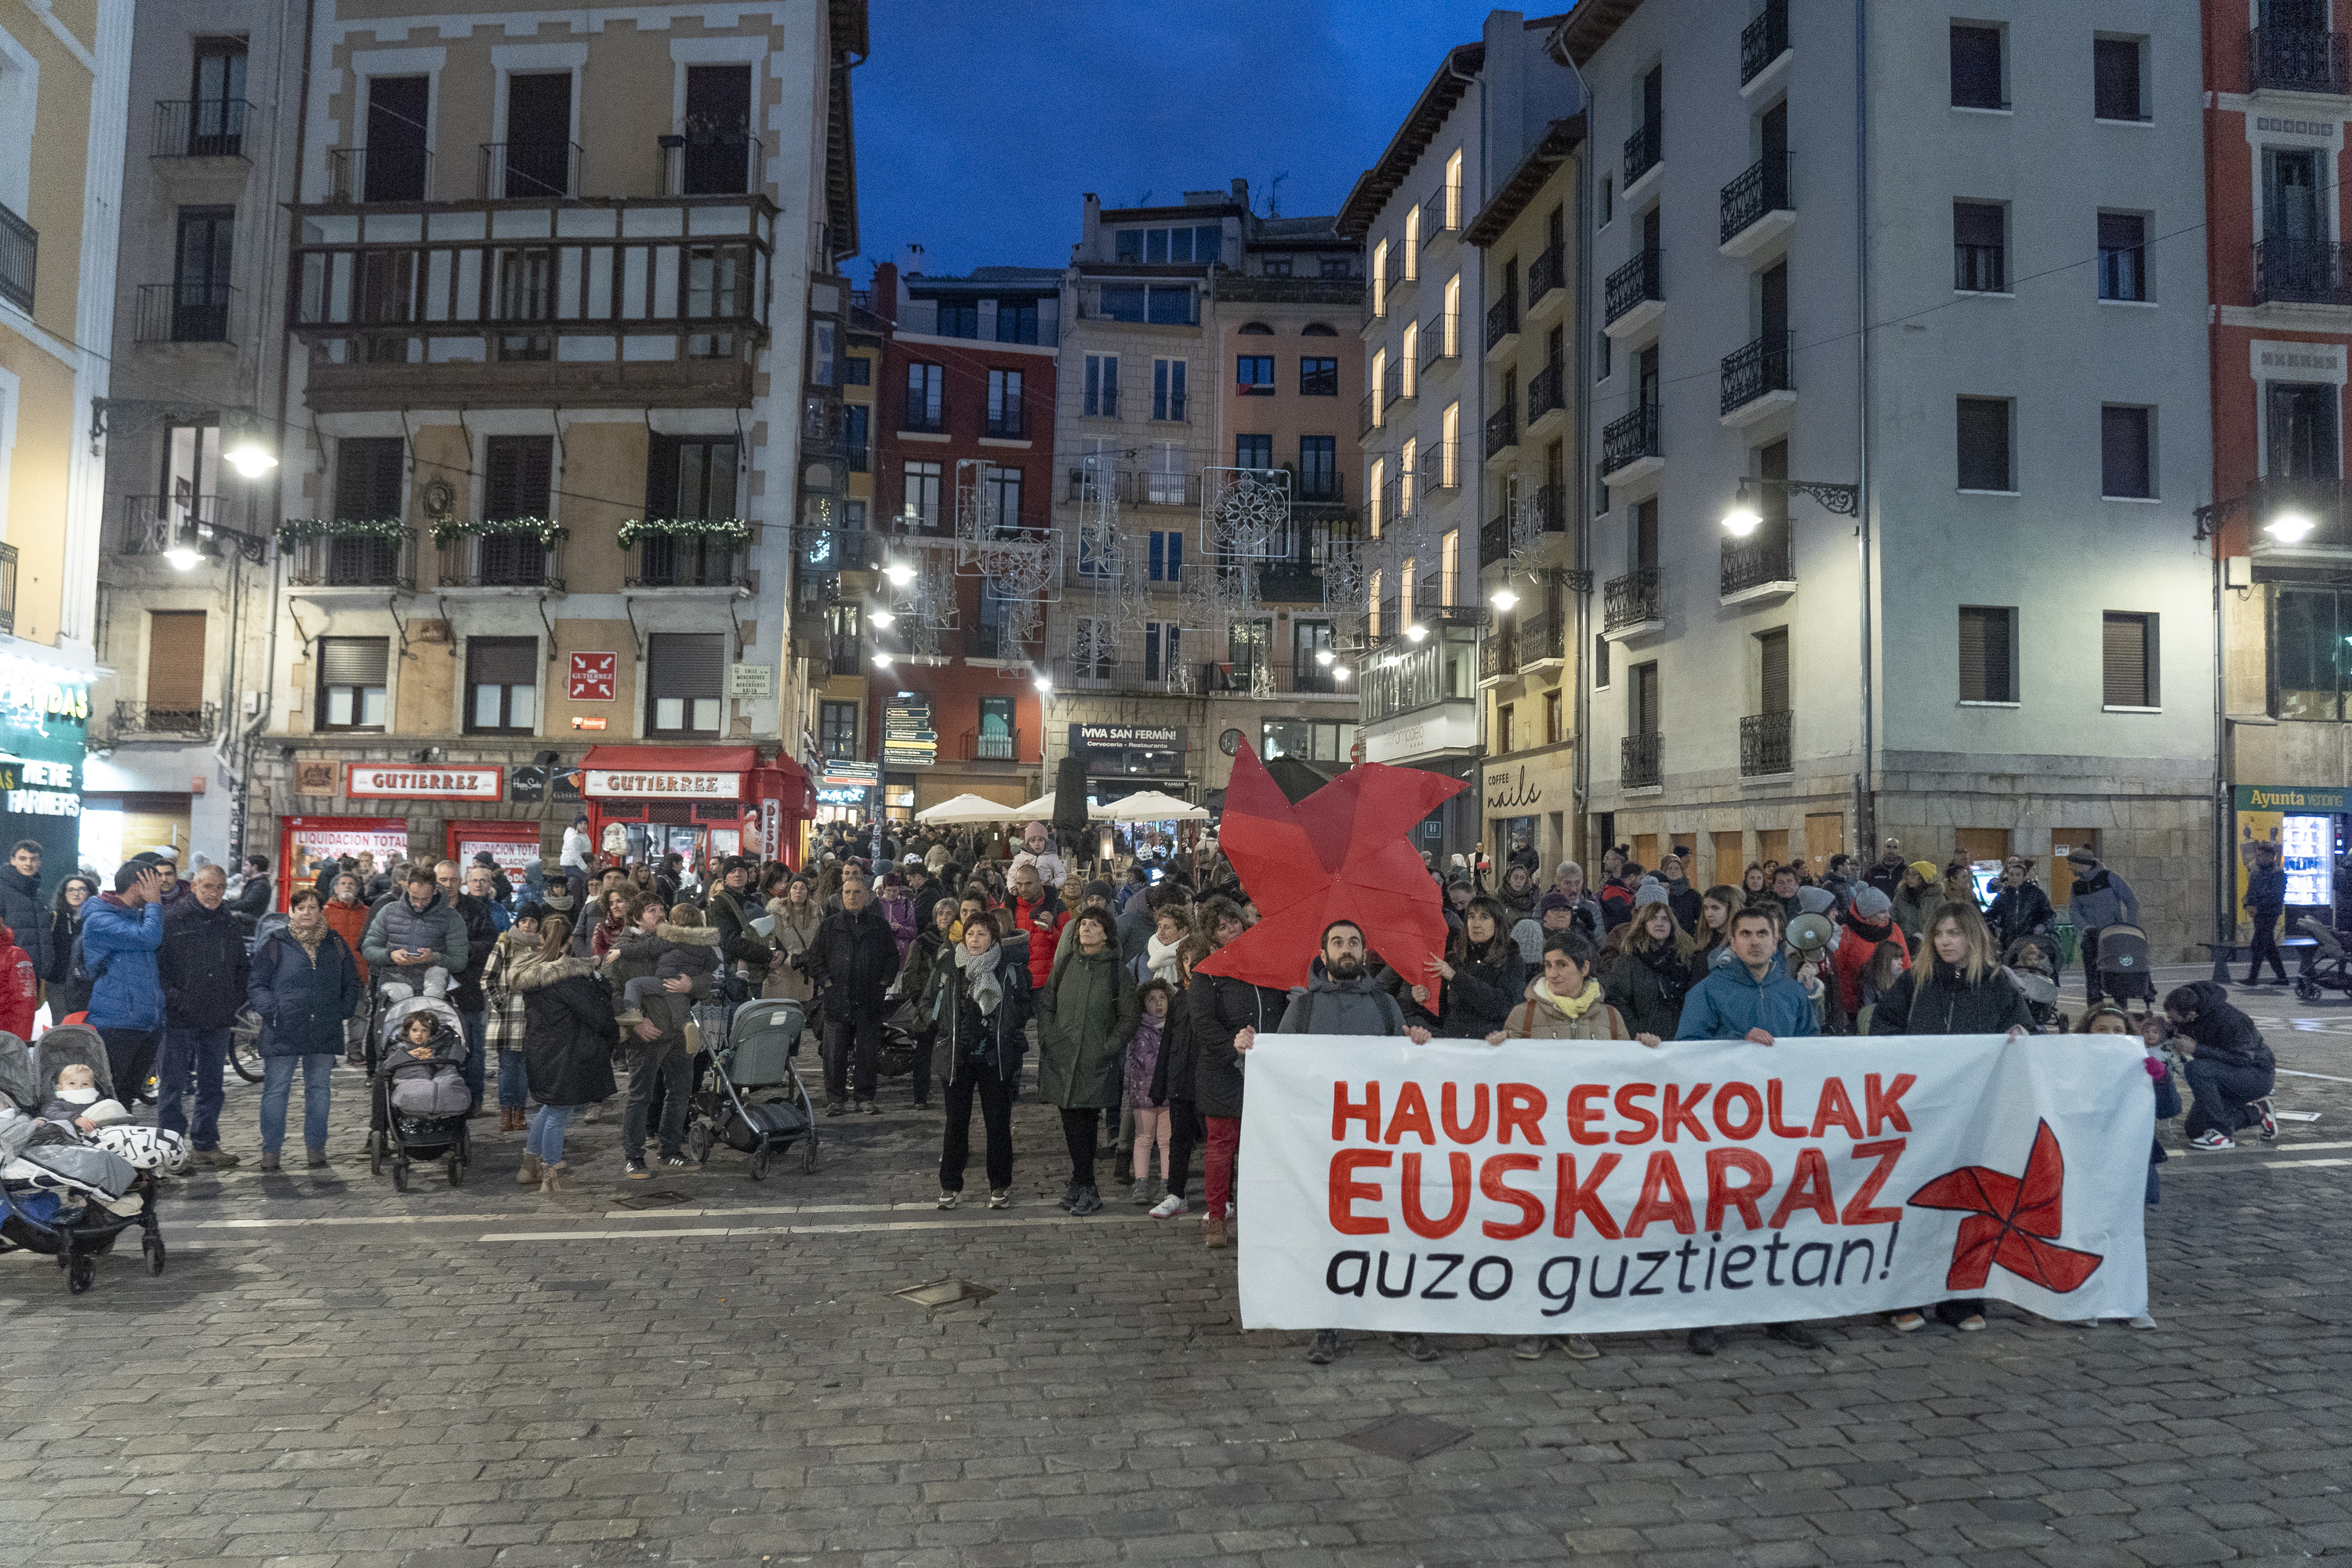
2011,1221
1340,854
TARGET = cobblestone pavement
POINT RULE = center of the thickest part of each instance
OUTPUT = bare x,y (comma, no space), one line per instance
331,1374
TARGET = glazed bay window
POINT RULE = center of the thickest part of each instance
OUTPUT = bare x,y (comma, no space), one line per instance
501,686
351,676
2311,657
685,682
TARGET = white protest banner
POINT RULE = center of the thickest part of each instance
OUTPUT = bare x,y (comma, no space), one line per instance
1542,1187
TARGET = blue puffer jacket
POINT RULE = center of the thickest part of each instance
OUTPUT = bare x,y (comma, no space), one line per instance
303,1000
130,994
1729,1002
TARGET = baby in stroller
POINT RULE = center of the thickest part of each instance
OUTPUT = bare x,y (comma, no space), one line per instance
2032,964
75,1101
682,948
422,1064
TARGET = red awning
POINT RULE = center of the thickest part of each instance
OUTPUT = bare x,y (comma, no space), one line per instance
800,790
704,759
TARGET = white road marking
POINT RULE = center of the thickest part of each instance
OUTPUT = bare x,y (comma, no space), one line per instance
945,1224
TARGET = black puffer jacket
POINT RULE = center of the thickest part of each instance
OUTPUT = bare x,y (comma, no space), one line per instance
203,964
1219,1008
2022,910
853,957
2224,1035
1646,989
1935,999
568,1031
1172,1074
1484,990
22,910
481,936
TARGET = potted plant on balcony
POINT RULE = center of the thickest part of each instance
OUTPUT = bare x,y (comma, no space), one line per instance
547,531
295,531
732,532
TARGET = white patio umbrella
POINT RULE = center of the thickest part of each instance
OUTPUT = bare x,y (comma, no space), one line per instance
1152,807
1041,810
969,808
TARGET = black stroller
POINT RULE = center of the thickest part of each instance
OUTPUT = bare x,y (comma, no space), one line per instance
69,1201
2124,973
419,1127
729,1107
2032,963
2329,968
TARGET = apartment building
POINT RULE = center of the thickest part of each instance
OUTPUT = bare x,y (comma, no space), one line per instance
572,443
194,422
1425,406
2281,95
65,73
1889,529
946,644
1201,428
1529,576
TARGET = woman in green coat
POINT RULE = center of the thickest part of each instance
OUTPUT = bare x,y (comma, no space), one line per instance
1085,1015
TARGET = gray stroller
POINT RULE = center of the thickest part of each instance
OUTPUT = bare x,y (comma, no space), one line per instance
752,1096
66,1197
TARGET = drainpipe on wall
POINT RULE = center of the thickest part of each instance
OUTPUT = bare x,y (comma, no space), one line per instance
1866,798
1579,788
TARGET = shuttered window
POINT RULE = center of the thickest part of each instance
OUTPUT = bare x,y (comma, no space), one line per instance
2128,660
1984,428
1981,247
1988,654
686,676
517,476
501,685
176,665
2124,454
1772,671
368,472
351,676
2115,72
1975,68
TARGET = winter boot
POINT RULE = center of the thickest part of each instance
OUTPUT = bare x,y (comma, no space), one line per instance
555,1180
532,1171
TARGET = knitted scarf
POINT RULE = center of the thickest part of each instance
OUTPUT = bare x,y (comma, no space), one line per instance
979,977
1163,957
1571,1008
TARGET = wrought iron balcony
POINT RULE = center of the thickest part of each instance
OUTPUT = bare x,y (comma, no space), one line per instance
1636,599
1644,148
527,170
1157,487
2299,272
688,560
393,174
150,525
1498,655
1502,430
1318,489
1760,558
1763,40
1441,338
1764,748
1435,216
2298,59
1543,639
1502,318
1367,414
7,588
1628,440
502,560
1547,272
1641,767
183,312
173,722
1753,370
357,559
980,747
708,163
1008,422
929,414
1493,540
20,248
1635,283
1762,187
200,128
1547,391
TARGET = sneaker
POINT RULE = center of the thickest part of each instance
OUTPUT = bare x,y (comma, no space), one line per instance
834,1106
676,1162
2213,1138
1971,1324
636,1170
631,1017
869,1108
2143,1321
1415,1346
217,1159
1907,1322
2269,1122
1705,1341
1141,1194
1069,1196
948,1200
1529,1349
1088,1202
269,1160
1577,1348
1799,1335
1325,1348
1000,1197
314,1157
1170,1208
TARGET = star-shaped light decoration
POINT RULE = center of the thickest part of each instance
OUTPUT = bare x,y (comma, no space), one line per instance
1340,854
2013,1221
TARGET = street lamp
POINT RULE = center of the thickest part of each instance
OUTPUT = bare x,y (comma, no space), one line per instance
1416,632
1503,599
1743,518
250,458
1324,658
2290,527
882,617
899,572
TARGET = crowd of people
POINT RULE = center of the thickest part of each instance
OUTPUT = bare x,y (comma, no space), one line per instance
966,951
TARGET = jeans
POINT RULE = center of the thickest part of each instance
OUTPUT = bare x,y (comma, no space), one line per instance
545,1138
861,1030
200,1054
1081,1133
2265,945
1224,1144
130,1058
1183,1132
673,1070
514,1087
2221,1093
278,1086
477,1070
996,1117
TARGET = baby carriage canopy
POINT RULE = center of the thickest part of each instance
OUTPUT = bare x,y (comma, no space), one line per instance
20,1081
69,1044
2121,949
396,1018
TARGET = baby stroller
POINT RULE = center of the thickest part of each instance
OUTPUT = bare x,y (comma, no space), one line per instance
2032,963
67,1198
2329,969
2123,965
762,1037
414,1115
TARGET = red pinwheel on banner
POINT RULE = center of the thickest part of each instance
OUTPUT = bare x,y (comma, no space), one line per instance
1343,853
2013,1221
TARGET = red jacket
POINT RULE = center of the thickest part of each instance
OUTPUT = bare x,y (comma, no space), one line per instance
20,987
1044,921
1853,948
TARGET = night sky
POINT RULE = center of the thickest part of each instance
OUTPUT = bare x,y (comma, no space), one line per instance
981,123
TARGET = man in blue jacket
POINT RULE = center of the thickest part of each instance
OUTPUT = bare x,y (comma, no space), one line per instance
120,936
1752,999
